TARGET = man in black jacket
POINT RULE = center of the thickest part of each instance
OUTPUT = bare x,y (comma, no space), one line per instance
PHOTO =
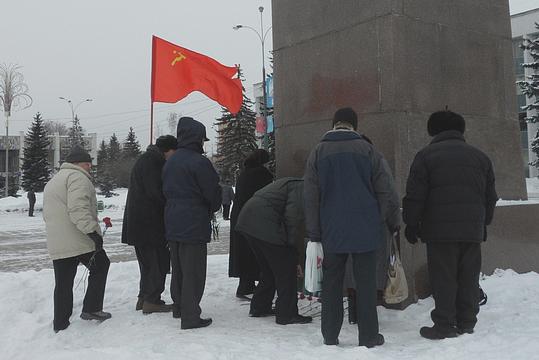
450,200
144,226
191,188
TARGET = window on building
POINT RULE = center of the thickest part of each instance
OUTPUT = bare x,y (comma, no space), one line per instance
518,58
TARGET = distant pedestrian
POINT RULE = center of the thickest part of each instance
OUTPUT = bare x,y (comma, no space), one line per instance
348,187
73,237
450,200
144,224
31,195
242,262
273,221
192,191
228,197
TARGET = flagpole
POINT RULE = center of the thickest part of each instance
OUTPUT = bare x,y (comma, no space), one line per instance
151,124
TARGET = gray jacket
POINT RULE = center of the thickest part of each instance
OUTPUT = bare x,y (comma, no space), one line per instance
275,213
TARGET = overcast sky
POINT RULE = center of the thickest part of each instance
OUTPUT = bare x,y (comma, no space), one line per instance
101,49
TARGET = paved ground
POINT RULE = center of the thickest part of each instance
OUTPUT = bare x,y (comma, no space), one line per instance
23,242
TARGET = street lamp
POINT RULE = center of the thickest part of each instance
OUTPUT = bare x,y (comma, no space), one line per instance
74,108
262,36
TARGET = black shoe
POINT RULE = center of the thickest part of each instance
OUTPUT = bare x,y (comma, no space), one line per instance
297,319
377,341
271,312
98,315
243,297
331,342
60,328
462,331
200,324
140,303
149,308
433,333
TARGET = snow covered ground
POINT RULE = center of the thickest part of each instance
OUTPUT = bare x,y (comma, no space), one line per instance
508,325
23,239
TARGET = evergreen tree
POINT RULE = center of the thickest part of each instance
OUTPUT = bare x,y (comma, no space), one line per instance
114,160
75,135
35,167
130,153
13,185
530,87
235,138
131,146
535,149
103,177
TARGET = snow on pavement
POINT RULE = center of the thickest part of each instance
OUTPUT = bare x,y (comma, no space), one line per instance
508,325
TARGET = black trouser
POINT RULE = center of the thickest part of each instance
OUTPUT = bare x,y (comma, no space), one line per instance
454,279
31,208
154,263
278,266
364,268
188,279
226,211
64,275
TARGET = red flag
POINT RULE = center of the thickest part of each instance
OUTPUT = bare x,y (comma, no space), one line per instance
177,72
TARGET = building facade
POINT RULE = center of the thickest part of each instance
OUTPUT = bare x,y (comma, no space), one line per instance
57,144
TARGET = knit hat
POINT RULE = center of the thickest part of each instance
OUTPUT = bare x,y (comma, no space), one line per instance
345,115
445,120
166,143
78,155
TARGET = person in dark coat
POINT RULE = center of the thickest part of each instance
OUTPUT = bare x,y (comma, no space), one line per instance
450,200
144,225
228,197
192,192
348,187
31,195
242,262
272,220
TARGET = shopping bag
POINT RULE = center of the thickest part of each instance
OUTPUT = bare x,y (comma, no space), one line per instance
313,267
396,290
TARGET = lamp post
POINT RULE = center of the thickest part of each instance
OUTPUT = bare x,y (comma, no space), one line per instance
74,108
262,36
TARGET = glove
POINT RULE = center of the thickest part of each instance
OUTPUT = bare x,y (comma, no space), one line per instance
411,234
97,239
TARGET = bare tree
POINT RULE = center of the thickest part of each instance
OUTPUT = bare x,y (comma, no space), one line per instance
53,127
13,96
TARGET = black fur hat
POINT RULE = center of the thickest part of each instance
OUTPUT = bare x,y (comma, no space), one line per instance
445,120
345,115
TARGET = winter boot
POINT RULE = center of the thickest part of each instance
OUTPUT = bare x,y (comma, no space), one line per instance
200,324
331,342
297,319
254,313
149,308
434,333
462,331
98,315
176,312
377,341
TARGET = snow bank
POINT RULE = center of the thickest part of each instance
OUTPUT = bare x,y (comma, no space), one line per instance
506,329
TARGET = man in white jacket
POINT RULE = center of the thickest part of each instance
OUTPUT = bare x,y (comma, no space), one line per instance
73,237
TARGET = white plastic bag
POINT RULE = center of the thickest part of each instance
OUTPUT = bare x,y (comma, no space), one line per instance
397,287
313,267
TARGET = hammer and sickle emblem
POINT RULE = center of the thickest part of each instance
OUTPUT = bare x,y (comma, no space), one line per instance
179,57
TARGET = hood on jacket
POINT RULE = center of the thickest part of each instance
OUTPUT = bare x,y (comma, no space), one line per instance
191,133
257,158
